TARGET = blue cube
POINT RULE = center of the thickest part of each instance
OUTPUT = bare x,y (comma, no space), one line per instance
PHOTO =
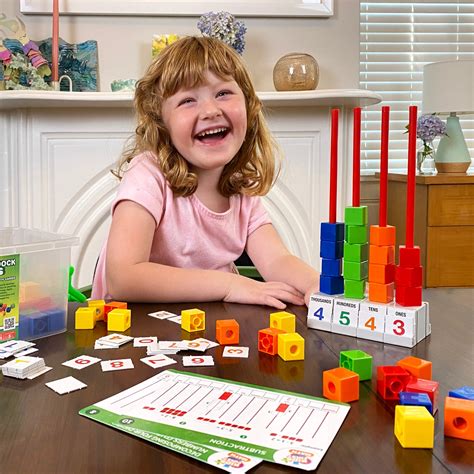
332,231
331,267
465,392
39,324
331,250
331,285
57,320
418,399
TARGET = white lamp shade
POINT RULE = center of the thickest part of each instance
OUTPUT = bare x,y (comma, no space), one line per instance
448,86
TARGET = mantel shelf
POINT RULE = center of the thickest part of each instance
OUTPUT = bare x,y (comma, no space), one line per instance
14,100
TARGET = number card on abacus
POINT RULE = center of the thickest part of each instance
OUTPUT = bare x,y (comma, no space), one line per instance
405,326
320,312
345,317
371,321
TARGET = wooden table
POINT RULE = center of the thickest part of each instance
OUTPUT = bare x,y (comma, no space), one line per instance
444,225
41,431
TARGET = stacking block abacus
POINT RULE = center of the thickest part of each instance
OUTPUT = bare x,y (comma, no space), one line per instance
429,387
99,306
283,320
414,427
331,281
416,399
382,263
391,324
391,380
358,361
341,384
268,340
291,346
417,367
459,418
193,320
85,318
465,392
355,265
227,331
119,319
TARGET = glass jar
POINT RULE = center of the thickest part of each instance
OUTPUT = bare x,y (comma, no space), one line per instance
425,159
296,72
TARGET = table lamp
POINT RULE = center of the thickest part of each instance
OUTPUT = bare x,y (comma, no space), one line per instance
448,88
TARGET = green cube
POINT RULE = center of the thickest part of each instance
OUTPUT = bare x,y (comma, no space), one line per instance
356,216
355,270
354,289
356,252
357,361
356,234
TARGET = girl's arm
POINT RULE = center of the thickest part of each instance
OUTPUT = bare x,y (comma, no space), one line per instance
132,277
275,263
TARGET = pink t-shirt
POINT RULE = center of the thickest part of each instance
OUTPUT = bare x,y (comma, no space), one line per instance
187,233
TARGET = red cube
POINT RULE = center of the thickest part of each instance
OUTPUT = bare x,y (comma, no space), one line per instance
409,276
430,387
409,256
408,295
391,380
268,340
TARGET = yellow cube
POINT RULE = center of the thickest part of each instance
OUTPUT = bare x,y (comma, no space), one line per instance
291,346
193,320
119,319
98,305
30,290
414,426
283,320
85,318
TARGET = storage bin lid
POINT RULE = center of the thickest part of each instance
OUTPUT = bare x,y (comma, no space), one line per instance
21,240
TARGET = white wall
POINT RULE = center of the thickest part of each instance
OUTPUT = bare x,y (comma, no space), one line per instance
125,42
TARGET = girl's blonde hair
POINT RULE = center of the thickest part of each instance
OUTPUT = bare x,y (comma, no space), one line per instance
184,64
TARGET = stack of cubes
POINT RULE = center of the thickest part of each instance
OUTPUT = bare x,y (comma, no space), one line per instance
408,277
331,251
382,263
355,269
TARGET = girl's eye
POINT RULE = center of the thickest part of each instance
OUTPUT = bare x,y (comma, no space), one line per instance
223,93
187,100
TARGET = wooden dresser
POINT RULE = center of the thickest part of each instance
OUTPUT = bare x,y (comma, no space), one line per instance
444,225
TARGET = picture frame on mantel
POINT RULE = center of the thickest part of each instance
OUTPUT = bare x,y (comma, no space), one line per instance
245,8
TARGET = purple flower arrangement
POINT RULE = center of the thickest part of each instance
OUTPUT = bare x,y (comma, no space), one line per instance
429,127
223,26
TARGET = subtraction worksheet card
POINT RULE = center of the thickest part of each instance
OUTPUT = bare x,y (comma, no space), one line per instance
224,416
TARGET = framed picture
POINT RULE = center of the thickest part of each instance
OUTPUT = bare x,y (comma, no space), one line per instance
242,8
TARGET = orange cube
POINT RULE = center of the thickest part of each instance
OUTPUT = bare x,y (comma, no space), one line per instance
381,273
421,369
227,331
382,254
113,305
459,418
341,384
381,293
382,235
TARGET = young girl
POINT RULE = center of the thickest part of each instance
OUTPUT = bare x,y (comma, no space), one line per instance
188,204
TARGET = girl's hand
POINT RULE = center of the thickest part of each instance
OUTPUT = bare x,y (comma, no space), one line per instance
275,294
309,292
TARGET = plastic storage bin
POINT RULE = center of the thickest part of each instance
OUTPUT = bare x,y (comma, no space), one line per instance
34,272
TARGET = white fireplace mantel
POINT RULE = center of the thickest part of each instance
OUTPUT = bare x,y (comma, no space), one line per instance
57,149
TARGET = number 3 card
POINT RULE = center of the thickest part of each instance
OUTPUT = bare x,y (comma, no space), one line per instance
234,351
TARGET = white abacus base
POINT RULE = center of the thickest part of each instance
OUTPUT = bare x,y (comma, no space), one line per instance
389,323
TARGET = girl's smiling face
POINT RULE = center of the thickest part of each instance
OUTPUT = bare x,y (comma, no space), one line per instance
207,123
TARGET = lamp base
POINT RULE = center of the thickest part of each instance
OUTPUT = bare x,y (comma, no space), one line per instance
451,167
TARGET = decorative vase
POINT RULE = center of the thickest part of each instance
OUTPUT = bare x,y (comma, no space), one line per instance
425,159
452,155
296,72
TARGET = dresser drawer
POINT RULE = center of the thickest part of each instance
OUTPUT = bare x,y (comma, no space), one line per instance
450,256
450,205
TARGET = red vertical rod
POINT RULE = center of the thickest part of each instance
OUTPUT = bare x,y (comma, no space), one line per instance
410,217
356,158
384,166
333,175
